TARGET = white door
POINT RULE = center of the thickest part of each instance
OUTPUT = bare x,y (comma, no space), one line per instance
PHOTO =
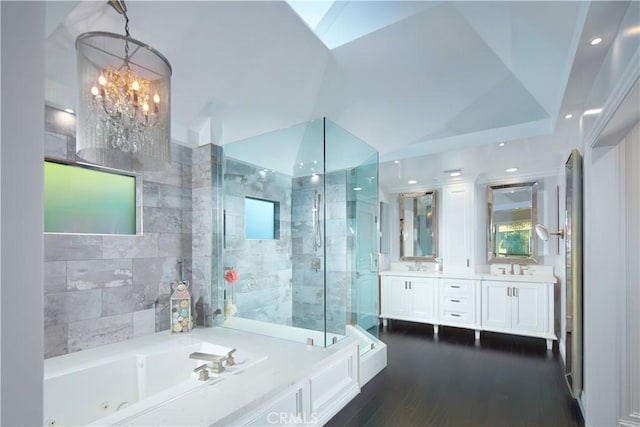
496,305
395,297
423,299
529,309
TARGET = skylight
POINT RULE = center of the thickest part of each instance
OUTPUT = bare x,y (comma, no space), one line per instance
339,22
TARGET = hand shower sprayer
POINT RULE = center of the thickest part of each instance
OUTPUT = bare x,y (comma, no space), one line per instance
315,213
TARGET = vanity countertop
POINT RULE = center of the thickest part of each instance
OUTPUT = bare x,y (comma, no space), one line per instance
431,274
537,278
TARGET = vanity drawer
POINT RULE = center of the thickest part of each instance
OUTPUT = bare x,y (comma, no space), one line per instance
463,303
456,288
456,316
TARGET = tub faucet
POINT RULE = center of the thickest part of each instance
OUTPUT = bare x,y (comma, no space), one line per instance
216,361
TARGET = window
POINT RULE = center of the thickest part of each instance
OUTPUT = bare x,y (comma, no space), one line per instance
261,218
85,199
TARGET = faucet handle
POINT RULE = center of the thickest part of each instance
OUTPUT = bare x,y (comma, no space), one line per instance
504,270
230,360
523,269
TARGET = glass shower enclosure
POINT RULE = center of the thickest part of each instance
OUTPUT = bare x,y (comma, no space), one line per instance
300,235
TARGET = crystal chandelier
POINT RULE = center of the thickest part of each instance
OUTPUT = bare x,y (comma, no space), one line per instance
123,100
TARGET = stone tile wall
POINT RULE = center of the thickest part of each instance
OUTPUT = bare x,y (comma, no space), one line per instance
103,289
308,282
206,225
264,289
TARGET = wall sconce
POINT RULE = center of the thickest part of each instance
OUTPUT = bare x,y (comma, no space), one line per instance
543,232
123,99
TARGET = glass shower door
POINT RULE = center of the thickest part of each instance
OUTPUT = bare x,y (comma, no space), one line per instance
365,245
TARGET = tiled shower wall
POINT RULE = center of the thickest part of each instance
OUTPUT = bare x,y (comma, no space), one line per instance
264,289
104,289
206,230
308,282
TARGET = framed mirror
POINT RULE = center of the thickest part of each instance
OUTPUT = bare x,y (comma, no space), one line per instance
418,226
511,216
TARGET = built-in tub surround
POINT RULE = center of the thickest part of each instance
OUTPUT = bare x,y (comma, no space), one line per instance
104,289
150,380
132,378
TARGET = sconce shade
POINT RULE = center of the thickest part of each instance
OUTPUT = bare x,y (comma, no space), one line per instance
124,105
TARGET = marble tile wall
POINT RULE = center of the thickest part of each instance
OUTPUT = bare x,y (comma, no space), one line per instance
309,282
104,289
264,289
206,226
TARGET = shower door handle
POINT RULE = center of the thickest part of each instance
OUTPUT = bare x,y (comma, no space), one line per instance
372,263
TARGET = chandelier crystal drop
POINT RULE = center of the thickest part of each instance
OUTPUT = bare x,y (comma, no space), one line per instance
123,100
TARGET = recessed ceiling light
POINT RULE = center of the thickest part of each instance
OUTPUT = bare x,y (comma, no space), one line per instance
511,170
357,188
595,41
412,181
633,31
69,110
592,112
396,161
501,144
454,172
568,116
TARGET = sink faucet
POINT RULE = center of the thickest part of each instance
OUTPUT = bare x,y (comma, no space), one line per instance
511,271
522,269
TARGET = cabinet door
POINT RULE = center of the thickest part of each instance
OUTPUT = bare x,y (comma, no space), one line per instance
529,307
457,231
423,297
496,305
395,297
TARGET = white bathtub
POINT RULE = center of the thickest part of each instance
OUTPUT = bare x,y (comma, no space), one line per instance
126,379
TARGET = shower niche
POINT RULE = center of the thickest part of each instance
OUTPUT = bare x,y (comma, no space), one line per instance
299,226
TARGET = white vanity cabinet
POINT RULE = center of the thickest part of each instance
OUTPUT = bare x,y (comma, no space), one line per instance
458,228
522,308
458,303
408,298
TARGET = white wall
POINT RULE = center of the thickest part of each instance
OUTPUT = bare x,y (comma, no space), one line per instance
21,177
604,262
601,280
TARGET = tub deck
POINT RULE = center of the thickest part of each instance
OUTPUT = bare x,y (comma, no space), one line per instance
266,367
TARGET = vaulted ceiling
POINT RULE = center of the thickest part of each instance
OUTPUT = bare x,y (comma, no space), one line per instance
415,77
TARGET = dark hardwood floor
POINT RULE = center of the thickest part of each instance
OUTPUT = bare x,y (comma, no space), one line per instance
450,380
